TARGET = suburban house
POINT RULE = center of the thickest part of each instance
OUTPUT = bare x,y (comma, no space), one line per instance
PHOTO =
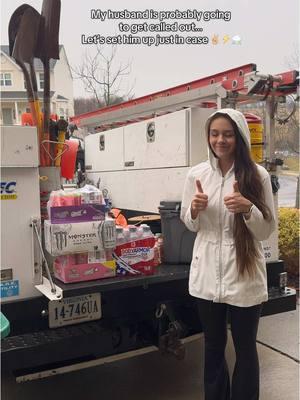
13,97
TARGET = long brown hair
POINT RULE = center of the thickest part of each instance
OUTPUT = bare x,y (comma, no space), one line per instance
250,186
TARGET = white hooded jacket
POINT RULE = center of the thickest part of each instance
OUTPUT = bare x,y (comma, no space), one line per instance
213,272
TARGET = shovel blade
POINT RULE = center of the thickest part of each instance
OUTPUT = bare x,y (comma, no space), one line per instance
14,24
48,43
26,38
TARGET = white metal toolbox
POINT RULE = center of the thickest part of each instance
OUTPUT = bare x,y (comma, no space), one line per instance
20,204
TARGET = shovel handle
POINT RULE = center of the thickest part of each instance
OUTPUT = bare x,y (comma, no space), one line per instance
38,114
33,112
45,150
59,147
39,124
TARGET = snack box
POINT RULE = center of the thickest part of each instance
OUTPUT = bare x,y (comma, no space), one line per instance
80,213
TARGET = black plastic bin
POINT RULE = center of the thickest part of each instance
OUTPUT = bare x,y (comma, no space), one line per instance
178,240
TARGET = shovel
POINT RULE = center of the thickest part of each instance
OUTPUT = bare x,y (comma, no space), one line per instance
47,48
23,30
62,126
14,24
13,28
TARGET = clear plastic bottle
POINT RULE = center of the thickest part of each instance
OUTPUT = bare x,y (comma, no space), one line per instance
140,231
147,232
133,233
160,244
120,239
126,234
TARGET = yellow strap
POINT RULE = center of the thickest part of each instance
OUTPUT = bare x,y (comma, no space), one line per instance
59,147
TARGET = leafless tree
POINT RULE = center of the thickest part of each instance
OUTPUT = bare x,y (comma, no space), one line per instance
293,60
85,104
287,135
103,76
291,130
88,104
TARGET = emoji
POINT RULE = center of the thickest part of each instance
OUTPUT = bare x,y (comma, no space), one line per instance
236,39
226,39
215,39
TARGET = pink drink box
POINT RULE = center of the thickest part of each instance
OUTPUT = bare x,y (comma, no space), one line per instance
81,213
66,269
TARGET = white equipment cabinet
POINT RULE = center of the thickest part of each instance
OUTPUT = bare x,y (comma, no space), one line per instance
20,256
155,158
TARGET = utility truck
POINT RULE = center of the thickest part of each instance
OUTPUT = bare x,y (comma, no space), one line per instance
138,153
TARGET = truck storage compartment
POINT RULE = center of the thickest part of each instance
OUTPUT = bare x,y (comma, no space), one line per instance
178,240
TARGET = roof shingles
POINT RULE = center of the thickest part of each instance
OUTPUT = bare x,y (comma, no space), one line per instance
38,65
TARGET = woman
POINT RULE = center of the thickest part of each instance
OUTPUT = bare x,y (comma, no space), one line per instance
228,201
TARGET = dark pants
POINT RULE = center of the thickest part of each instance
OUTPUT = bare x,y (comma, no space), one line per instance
244,324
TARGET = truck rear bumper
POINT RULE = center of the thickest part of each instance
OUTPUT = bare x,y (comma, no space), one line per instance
128,321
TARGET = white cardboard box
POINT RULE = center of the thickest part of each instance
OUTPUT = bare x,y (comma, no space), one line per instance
63,239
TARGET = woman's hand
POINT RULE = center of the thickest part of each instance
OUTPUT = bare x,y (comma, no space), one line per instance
199,201
236,202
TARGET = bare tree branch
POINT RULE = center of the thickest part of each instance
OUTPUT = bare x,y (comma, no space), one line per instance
293,61
102,76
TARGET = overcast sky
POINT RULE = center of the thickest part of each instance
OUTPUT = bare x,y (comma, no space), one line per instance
265,31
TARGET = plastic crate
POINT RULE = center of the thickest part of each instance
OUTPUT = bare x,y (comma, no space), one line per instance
178,241
4,326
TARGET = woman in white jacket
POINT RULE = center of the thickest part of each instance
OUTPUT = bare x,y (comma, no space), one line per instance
228,201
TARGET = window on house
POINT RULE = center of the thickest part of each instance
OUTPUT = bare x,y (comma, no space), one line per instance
5,79
41,80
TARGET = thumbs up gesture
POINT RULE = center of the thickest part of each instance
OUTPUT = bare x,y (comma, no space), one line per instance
236,187
236,202
199,201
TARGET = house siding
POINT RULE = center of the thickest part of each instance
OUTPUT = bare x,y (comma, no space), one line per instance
61,82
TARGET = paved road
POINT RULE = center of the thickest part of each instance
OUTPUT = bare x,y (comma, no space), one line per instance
287,191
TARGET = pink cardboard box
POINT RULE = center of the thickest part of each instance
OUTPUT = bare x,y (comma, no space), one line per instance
83,272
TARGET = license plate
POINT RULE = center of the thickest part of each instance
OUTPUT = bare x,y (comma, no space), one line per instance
74,310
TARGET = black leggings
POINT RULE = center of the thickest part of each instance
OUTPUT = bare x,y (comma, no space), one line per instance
244,324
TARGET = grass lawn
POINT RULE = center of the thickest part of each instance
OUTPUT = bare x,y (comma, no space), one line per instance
292,163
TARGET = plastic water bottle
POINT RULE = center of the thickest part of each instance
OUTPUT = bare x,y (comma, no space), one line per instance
140,231
120,238
126,234
160,244
133,233
147,232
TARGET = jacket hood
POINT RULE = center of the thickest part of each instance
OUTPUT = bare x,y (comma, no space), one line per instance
241,123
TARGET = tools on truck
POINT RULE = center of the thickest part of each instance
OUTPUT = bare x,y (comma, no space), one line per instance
33,35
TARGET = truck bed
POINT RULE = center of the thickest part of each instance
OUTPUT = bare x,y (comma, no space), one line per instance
164,273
